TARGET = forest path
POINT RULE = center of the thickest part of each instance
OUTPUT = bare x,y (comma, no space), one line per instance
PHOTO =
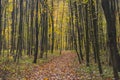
60,68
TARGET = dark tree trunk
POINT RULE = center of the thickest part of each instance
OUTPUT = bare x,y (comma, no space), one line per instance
109,11
52,19
95,24
28,26
73,31
20,37
37,33
44,28
31,28
78,28
87,36
0,26
13,30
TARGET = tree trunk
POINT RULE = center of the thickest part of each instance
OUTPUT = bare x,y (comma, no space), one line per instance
37,32
109,11
0,26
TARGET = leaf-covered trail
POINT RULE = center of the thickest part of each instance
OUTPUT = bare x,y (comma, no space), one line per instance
60,68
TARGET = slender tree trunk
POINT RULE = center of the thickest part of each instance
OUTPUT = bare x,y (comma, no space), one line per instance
78,28
37,32
13,30
31,28
52,19
28,26
73,31
44,27
0,26
95,24
20,37
87,36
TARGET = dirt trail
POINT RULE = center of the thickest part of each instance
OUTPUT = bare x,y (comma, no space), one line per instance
60,68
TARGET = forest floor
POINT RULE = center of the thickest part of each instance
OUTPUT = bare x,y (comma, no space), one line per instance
63,67
60,68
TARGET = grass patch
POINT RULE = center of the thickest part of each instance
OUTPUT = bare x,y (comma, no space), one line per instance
92,72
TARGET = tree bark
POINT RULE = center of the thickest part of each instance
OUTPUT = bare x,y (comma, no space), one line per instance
109,11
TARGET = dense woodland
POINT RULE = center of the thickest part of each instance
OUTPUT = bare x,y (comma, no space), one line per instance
34,32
